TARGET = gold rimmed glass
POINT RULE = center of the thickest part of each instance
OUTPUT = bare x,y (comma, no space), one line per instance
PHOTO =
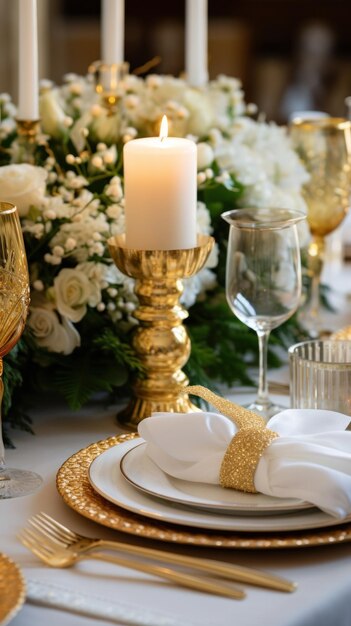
263,279
14,301
324,146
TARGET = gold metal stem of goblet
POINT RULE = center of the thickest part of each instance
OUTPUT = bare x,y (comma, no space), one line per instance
27,131
316,251
161,341
309,314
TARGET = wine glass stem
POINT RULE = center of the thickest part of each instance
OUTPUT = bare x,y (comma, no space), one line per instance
262,395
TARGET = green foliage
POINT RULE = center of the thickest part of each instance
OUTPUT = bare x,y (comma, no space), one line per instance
223,348
103,365
220,196
14,403
219,342
12,375
76,377
82,375
123,353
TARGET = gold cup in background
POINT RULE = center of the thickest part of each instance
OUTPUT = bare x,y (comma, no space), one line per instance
324,146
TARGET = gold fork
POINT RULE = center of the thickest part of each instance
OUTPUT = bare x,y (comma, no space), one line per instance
66,538
56,556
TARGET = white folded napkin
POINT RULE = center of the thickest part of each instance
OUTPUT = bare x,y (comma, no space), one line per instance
311,459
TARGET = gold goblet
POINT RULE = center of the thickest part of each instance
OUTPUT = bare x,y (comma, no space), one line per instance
14,301
324,146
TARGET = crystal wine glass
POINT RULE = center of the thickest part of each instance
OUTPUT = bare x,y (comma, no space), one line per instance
14,301
324,146
263,279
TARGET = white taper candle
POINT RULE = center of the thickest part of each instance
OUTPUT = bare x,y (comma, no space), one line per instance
28,86
112,31
196,24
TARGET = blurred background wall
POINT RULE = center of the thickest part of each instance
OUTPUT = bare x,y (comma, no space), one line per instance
290,54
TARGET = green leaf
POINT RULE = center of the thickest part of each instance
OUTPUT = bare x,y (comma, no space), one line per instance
226,193
223,348
220,196
14,402
123,353
84,375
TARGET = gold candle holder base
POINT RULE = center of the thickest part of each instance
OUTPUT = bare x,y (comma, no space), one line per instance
161,341
108,79
27,131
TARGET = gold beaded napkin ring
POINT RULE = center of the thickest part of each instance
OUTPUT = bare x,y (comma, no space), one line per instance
246,447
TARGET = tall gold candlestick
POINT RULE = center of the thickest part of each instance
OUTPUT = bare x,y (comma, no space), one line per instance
161,340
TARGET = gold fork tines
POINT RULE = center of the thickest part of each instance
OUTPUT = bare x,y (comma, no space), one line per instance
64,537
46,550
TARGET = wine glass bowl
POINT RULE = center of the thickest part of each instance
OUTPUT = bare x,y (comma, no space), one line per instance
263,278
324,146
14,302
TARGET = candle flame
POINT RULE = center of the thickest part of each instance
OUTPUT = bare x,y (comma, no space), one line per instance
164,128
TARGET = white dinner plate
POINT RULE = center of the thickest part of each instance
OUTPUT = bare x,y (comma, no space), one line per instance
145,475
106,478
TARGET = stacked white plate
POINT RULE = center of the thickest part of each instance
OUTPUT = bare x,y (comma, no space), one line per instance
126,476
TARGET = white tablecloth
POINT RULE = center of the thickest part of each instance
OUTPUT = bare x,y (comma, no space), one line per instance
323,597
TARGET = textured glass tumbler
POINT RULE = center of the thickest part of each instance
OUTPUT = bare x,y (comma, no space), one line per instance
320,375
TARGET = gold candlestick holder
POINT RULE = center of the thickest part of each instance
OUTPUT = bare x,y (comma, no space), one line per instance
161,340
108,79
27,131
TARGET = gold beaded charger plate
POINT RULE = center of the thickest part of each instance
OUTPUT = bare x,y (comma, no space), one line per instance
139,470
12,589
74,487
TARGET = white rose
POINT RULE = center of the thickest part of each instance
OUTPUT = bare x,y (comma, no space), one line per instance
72,293
49,333
23,185
205,155
106,127
95,272
200,110
80,131
52,116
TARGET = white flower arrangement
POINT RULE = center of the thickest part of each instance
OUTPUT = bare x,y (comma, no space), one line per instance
71,201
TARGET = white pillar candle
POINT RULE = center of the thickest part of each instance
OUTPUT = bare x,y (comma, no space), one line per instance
160,193
196,42
28,87
112,32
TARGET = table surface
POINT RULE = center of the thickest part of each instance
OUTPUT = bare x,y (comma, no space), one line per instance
323,597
